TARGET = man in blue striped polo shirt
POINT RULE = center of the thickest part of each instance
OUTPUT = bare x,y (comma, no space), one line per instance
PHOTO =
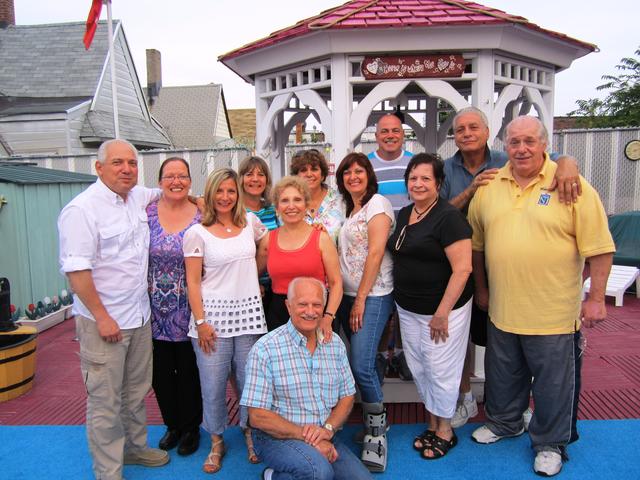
300,391
390,160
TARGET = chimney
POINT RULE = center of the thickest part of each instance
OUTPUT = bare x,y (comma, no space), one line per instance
7,13
154,74
299,132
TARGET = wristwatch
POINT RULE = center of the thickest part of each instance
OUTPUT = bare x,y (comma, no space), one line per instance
199,322
329,427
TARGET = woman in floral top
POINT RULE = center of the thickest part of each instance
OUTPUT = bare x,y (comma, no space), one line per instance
175,374
368,285
325,207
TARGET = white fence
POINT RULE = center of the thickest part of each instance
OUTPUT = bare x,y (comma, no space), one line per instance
600,154
201,163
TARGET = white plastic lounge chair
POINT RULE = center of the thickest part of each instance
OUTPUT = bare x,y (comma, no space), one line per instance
619,280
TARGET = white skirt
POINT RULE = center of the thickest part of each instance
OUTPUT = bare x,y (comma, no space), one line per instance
436,368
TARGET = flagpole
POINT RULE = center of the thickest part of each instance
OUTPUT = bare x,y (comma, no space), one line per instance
112,61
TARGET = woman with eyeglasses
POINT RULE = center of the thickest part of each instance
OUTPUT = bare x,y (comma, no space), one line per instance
368,285
175,372
227,315
325,207
431,248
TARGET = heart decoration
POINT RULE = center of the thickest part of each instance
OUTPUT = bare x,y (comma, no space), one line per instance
372,67
442,64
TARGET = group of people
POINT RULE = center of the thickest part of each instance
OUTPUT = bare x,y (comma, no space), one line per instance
254,282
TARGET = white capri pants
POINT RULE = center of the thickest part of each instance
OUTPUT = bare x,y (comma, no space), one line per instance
436,368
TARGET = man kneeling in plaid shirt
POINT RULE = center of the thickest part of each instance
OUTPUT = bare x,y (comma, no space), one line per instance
299,392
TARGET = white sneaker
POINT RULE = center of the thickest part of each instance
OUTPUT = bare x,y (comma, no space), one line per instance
486,436
464,412
526,418
547,463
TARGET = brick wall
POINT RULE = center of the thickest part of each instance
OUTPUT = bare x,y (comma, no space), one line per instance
7,13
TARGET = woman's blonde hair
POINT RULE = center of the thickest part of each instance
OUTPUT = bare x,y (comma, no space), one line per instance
238,214
247,165
291,181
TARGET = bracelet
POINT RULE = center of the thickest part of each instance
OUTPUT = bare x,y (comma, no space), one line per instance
332,315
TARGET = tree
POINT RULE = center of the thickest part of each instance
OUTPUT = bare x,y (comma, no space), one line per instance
621,107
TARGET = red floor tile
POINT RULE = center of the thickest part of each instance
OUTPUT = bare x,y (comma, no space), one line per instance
611,378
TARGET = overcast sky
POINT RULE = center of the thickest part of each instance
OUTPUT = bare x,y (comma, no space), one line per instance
191,34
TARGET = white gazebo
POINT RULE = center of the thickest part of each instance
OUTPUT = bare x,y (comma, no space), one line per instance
427,58
350,64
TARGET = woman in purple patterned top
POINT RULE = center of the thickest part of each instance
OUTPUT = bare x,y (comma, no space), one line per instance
175,373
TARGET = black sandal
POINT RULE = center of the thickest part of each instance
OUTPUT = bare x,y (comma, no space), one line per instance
438,447
424,439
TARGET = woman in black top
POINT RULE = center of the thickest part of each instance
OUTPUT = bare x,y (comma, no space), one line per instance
431,249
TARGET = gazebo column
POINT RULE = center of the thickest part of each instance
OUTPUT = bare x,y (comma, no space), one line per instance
281,136
267,115
263,134
341,106
548,98
483,86
482,92
430,140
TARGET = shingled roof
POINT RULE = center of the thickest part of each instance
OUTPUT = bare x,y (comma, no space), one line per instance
189,114
98,127
50,60
26,174
46,69
368,14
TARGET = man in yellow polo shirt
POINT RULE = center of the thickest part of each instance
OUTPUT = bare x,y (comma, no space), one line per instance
534,248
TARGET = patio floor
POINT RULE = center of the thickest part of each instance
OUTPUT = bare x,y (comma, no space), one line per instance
611,378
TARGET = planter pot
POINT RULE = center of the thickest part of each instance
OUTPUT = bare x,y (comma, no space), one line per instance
48,321
17,362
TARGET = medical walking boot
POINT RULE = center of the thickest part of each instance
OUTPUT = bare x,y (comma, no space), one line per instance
374,445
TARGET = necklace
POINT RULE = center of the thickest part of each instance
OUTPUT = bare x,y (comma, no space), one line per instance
425,211
226,229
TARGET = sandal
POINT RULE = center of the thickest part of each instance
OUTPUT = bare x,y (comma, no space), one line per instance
251,453
438,447
213,463
424,439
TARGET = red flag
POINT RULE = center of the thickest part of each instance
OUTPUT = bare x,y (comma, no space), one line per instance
92,22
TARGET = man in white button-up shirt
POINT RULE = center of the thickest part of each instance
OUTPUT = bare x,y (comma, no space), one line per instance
104,250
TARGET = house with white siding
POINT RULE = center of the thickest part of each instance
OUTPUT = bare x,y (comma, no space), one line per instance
55,96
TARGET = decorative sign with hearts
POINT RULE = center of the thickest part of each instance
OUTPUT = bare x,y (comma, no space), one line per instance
413,66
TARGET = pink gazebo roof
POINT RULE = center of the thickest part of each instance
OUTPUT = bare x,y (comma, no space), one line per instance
363,14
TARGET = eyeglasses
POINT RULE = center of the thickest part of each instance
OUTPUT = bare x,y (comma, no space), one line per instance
182,178
403,233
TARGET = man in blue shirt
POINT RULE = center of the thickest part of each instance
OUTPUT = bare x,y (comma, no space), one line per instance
390,160
299,392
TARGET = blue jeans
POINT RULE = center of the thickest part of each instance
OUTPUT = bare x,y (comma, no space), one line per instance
364,343
296,460
230,354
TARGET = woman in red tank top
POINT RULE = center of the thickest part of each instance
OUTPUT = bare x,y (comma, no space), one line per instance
297,249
